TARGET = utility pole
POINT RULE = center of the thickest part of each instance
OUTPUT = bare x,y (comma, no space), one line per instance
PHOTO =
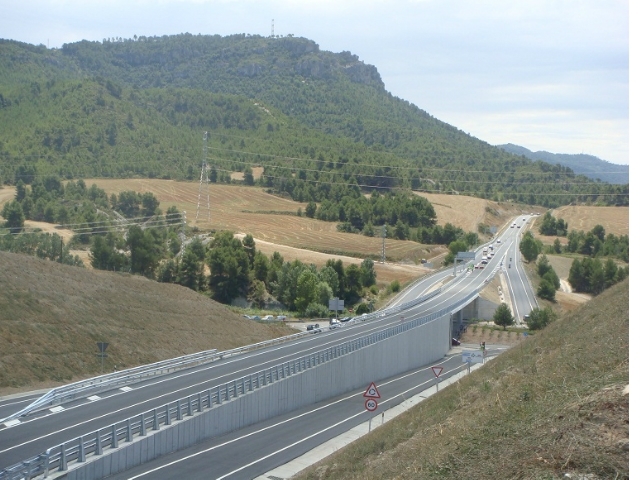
204,179
384,234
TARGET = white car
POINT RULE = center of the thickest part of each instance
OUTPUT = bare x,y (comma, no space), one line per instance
267,317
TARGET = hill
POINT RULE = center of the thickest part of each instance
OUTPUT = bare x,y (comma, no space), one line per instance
312,119
554,406
52,315
582,164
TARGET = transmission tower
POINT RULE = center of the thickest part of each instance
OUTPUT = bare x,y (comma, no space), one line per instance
273,30
204,179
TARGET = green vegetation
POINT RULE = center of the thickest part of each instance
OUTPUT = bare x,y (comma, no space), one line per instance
552,226
549,280
530,247
591,276
503,316
320,123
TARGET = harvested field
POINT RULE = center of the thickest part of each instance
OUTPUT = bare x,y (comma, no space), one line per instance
614,219
267,217
468,212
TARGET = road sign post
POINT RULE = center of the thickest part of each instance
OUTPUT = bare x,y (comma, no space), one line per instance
102,347
437,371
370,404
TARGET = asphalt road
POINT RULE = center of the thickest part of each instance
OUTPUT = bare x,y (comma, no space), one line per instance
35,433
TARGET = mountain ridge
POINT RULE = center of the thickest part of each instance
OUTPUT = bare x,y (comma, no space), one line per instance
581,163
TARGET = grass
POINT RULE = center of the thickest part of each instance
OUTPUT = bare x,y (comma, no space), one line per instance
52,315
554,404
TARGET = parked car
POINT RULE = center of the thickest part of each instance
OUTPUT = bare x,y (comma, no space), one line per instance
282,318
345,319
455,341
267,317
333,326
313,328
333,321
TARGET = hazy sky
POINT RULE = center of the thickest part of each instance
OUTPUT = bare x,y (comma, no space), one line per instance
546,74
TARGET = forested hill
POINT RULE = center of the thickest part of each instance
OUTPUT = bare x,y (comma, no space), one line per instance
139,106
587,165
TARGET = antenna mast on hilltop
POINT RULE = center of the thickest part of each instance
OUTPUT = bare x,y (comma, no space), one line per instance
273,30
204,178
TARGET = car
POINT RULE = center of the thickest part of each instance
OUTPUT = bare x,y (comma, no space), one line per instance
267,317
526,318
455,342
513,225
518,226
345,319
281,318
333,321
313,327
498,241
333,326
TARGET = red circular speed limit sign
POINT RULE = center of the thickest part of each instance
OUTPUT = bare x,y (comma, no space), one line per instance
370,404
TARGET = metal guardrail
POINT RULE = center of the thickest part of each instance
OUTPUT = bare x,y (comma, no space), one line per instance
76,450
109,381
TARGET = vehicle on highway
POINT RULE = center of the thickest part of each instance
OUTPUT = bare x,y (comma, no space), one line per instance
518,226
345,319
315,328
333,326
282,318
498,241
267,317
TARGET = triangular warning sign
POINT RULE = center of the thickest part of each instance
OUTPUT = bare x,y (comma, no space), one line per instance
372,391
437,371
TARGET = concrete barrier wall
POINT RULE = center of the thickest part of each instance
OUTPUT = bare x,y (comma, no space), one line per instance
403,352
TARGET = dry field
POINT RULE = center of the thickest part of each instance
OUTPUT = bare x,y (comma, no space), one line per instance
52,315
614,219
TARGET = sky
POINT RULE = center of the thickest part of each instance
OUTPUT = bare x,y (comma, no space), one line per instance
547,75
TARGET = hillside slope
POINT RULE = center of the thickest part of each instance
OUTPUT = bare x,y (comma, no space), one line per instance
52,315
139,107
554,406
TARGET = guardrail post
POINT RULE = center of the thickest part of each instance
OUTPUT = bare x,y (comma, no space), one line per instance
178,410
189,406
209,405
98,448
63,459
167,417
200,401
114,436
46,463
156,426
226,397
218,399
129,435
81,455
251,382
143,427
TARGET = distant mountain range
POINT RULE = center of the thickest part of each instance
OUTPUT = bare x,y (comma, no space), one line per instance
587,165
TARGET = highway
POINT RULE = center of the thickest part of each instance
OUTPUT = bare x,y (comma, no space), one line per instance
35,433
